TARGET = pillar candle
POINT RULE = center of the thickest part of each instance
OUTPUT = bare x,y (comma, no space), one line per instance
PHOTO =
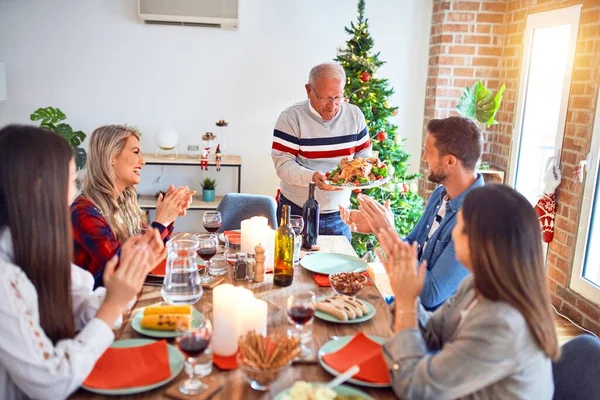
253,317
252,231
225,316
268,243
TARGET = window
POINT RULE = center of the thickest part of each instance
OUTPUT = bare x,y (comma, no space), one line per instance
585,278
549,49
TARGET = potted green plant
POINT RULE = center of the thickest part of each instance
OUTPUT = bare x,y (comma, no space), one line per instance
51,119
208,189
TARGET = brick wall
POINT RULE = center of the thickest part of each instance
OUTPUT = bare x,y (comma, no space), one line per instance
484,40
576,144
466,45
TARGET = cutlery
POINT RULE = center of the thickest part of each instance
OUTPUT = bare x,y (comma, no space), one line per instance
343,377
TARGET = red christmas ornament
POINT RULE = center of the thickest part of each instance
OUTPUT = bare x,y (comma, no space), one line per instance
381,136
365,76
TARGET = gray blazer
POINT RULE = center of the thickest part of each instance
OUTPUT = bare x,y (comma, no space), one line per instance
481,350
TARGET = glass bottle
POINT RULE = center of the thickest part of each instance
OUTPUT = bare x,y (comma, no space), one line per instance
250,266
284,250
181,284
240,267
310,214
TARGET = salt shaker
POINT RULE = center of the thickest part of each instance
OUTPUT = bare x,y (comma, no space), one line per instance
259,268
250,266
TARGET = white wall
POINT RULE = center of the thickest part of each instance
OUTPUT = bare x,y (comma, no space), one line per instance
96,61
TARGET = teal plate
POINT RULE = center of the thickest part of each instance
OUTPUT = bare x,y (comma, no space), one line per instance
335,345
176,361
332,263
341,390
331,318
136,324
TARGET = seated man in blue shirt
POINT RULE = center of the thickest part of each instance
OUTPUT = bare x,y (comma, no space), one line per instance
452,148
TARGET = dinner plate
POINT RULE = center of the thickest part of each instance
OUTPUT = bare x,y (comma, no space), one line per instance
222,234
341,390
335,345
176,361
136,324
332,263
326,317
371,184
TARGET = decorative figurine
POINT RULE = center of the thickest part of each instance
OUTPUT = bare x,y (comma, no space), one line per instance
204,159
218,157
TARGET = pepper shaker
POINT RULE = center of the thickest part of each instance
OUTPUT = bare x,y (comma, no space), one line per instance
240,267
259,268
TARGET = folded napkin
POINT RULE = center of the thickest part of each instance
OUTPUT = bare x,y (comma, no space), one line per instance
323,280
160,269
225,363
120,368
363,352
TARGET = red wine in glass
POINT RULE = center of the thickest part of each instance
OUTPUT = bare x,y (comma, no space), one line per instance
193,345
212,227
301,314
206,253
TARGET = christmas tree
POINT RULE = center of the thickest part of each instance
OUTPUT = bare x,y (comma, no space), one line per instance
371,94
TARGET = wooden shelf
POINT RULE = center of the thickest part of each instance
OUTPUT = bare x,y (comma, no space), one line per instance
183,159
148,202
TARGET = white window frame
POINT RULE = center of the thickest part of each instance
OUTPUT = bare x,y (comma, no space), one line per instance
579,284
562,16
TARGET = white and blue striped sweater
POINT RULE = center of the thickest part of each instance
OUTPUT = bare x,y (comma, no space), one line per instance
304,143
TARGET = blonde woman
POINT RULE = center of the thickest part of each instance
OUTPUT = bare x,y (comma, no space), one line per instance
106,213
495,338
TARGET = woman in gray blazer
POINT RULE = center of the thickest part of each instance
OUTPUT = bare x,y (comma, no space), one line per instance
495,338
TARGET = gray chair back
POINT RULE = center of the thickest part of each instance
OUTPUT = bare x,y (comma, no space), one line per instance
236,207
576,372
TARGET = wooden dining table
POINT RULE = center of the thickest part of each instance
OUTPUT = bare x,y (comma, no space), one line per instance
233,386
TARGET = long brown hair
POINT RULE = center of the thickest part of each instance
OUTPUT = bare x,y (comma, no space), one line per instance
34,181
507,259
121,210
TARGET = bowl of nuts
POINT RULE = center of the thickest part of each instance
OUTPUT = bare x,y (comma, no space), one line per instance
347,283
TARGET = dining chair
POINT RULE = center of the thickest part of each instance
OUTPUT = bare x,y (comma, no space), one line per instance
576,372
236,207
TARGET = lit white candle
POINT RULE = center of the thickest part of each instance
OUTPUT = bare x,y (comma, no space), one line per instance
268,243
253,316
225,317
252,233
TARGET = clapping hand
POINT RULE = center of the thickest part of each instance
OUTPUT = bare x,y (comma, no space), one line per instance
174,203
400,262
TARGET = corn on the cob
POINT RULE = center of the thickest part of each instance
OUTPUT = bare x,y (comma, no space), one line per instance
164,322
152,310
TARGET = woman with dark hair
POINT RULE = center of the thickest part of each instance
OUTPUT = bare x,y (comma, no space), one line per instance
44,299
495,338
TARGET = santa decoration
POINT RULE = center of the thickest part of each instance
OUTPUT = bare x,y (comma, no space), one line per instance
204,159
546,206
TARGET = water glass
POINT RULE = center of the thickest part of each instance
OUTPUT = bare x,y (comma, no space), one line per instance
181,284
233,245
297,223
218,264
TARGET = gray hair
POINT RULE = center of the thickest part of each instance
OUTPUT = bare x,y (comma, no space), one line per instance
329,70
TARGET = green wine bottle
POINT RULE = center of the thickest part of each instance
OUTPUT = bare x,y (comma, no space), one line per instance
284,250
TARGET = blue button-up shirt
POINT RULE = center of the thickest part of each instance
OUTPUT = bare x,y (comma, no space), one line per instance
444,272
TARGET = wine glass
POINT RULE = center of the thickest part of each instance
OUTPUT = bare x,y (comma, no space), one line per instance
301,310
212,221
297,223
193,338
207,248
